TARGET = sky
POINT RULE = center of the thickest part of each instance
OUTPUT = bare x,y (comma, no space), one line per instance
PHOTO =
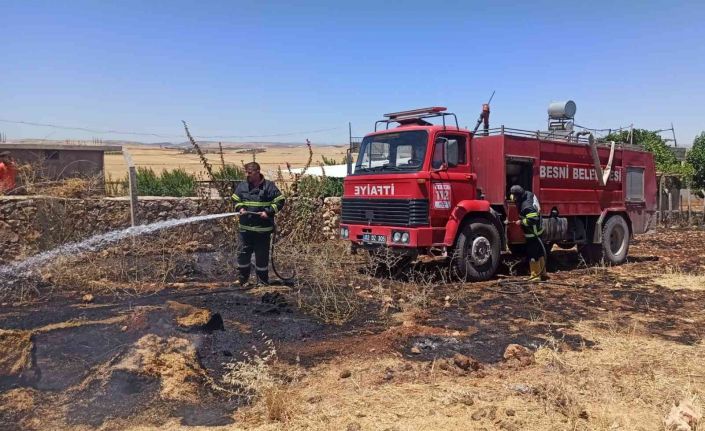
282,71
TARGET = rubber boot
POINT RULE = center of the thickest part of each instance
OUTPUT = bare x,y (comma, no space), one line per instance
542,268
535,270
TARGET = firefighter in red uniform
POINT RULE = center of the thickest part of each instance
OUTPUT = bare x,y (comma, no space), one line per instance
8,173
257,200
530,221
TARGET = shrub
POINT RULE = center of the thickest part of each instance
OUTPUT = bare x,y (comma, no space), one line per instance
320,187
229,172
178,183
170,183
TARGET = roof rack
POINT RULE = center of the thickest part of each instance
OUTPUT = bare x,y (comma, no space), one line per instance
416,116
549,136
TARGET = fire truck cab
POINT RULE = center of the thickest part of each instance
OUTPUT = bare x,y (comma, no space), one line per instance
439,192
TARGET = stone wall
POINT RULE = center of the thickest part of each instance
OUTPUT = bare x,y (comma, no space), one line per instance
31,224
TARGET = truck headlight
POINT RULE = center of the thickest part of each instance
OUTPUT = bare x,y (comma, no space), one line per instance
405,237
344,232
396,237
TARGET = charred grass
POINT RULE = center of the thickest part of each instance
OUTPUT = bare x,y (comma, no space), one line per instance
355,344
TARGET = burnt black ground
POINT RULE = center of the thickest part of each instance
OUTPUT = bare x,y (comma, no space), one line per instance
532,316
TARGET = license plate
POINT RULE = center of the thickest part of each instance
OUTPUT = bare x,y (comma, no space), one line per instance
369,237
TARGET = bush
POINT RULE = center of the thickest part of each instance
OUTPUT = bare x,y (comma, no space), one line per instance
229,172
320,187
176,183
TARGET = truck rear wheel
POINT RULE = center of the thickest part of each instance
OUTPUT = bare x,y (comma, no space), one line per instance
614,246
476,254
615,240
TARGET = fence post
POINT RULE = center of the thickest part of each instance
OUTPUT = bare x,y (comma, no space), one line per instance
659,203
132,179
689,210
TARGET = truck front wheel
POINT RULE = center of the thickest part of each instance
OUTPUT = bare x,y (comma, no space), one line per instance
476,254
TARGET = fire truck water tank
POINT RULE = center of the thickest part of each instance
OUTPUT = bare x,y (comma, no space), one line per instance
558,110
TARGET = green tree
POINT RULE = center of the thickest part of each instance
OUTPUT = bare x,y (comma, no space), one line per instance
696,158
664,158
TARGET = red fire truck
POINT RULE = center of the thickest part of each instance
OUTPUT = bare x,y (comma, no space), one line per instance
440,192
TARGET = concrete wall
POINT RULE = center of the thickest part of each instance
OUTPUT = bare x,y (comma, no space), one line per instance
58,164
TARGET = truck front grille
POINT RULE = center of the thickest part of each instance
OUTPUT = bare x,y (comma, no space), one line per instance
391,212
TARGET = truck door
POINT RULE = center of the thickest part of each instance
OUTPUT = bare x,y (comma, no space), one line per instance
519,171
450,186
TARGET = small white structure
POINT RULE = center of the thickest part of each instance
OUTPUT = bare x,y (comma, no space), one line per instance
333,171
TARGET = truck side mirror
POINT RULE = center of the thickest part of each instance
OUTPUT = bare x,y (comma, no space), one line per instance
348,156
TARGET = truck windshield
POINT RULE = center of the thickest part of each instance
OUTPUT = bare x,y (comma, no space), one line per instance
402,151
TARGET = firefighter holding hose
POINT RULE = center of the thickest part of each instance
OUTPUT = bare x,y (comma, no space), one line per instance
257,200
530,221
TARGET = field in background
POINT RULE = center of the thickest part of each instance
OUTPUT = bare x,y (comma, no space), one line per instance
273,156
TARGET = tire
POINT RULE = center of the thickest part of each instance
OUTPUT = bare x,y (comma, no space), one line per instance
615,240
484,237
614,246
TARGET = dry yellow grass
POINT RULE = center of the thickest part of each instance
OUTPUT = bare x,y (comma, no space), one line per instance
174,361
15,351
629,381
274,156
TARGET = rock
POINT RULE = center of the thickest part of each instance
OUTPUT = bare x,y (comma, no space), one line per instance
509,412
520,354
466,362
522,388
353,426
478,414
345,374
508,426
683,417
388,375
87,298
315,399
415,350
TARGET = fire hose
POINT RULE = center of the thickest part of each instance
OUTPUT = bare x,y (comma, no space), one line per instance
272,242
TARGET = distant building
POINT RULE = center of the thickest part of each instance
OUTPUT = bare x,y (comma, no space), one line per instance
57,161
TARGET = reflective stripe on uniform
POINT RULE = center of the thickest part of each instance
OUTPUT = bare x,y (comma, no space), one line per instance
257,268
278,198
243,265
256,228
256,204
236,197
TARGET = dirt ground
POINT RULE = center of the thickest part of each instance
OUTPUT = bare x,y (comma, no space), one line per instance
160,159
608,348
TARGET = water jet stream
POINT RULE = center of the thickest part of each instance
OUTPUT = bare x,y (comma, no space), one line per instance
98,241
